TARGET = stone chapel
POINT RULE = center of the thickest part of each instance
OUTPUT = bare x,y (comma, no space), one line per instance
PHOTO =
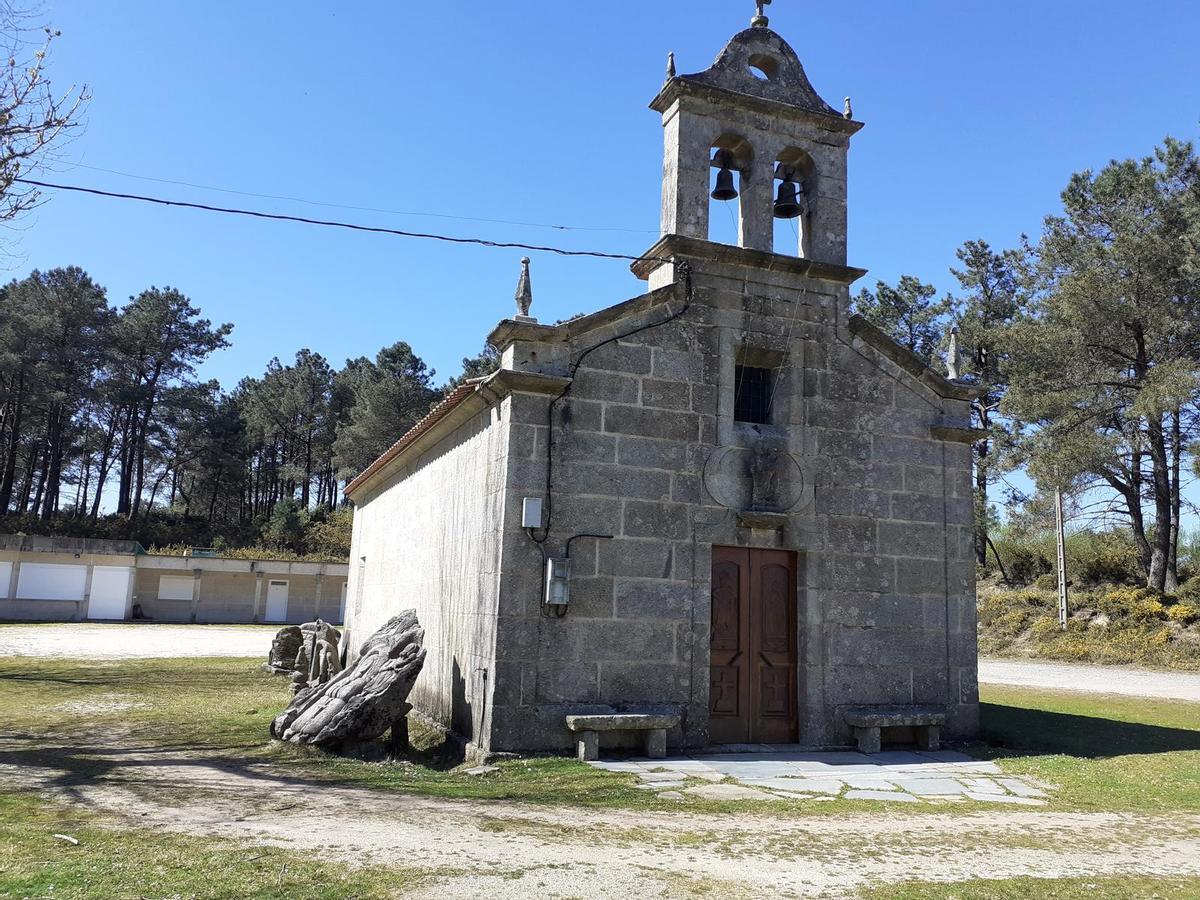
726,499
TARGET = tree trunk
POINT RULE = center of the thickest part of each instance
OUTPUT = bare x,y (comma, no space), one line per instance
54,456
982,449
1172,580
1161,481
13,445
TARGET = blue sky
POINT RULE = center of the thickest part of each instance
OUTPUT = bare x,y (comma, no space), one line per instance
976,114
536,112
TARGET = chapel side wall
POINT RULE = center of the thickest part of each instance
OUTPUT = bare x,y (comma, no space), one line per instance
426,538
882,531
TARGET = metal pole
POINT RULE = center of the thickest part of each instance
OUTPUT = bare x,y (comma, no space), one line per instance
1062,560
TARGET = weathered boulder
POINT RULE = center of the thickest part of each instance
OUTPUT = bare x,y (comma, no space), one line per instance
318,658
309,653
284,647
363,701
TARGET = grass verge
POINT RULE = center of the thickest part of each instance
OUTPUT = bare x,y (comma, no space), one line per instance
130,862
1129,887
1110,753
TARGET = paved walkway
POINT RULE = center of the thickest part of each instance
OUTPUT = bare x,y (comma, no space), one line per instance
898,776
141,641
1092,679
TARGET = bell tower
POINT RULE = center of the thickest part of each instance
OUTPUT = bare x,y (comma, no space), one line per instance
777,149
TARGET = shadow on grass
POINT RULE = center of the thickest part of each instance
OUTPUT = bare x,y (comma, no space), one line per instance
1015,730
69,768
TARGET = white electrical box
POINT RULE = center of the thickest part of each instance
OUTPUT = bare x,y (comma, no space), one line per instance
558,582
531,512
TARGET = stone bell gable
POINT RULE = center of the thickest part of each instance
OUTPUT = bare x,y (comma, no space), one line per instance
727,500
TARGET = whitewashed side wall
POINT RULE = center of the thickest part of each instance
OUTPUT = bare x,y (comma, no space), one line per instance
428,539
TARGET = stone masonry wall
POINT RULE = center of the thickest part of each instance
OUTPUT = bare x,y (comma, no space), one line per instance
881,521
427,538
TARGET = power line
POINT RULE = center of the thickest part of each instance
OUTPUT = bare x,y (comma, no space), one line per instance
372,209
375,229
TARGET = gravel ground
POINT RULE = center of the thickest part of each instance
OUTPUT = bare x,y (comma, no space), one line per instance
141,641
1091,679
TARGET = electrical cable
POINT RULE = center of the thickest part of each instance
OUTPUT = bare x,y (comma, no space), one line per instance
374,229
685,270
391,212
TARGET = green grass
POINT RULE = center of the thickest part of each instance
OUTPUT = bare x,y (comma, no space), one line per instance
1130,887
1111,753
1103,752
131,862
222,707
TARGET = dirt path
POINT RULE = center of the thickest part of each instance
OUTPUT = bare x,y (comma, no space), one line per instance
507,851
95,640
1091,679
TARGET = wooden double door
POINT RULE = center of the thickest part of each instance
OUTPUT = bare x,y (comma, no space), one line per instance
752,651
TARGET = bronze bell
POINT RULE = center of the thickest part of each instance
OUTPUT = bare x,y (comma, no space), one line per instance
787,204
724,189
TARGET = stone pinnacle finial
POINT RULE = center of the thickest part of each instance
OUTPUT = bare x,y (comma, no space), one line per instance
849,112
954,357
670,66
761,20
524,291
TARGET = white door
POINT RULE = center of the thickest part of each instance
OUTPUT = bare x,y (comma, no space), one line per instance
277,592
110,590
342,613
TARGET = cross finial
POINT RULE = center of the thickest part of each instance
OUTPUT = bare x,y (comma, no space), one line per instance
761,20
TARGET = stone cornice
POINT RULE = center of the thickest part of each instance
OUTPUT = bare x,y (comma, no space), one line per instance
957,434
511,330
682,86
460,406
910,362
675,246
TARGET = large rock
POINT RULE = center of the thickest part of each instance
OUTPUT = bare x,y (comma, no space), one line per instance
309,653
284,647
318,659
363,701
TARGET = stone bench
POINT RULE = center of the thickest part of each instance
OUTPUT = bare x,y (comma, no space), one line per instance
926,722
588,728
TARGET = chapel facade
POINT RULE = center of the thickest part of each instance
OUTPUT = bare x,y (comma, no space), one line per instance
727,497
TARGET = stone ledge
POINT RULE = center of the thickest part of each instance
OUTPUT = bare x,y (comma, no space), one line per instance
893,716
621,722
956,434
771,521
676,247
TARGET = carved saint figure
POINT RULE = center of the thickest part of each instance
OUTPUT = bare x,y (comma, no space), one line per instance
764,478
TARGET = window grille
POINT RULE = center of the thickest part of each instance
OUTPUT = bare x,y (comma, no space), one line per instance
752,395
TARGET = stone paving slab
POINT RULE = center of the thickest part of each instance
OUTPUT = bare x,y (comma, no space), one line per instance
888,796
802,785
895,775
727,792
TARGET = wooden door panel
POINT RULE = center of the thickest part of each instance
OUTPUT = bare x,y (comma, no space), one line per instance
729,688
775,690
752,660
776,621
724,691
726,601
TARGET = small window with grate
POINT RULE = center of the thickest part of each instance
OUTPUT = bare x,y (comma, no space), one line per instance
752,395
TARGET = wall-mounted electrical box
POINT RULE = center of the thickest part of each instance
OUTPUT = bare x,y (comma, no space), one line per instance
531,512
558,582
